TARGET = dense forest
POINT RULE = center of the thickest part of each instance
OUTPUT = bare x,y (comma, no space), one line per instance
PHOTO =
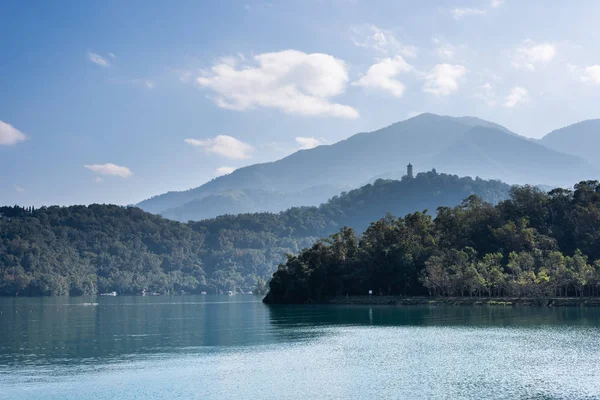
533,244
82,250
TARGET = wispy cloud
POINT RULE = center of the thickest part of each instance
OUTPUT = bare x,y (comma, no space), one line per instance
291,81
225,146
529,54
98,59
383,75
184,76
19,189
517,95
381,40
459,13
444,79
309,142
9,135
110,169
487,93
445,50
138,82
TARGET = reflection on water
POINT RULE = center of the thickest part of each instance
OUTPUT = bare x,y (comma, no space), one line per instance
60,330
55,330
236,347
433,315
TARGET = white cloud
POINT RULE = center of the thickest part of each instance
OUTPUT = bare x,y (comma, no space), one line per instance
487,93
10,135
590,74
530,54
225,146
459,13
308,142
19,189
496,3
110,170
517,95
224,171
99,179
290,80
98,59
444,79
112,55
382,76
150,84
381,40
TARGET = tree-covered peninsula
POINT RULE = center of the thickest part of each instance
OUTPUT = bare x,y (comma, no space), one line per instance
81,250
531,245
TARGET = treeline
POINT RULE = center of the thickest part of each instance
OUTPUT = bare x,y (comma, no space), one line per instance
83,250
532,244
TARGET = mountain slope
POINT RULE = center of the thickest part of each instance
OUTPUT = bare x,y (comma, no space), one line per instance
515,159
581,139
426,141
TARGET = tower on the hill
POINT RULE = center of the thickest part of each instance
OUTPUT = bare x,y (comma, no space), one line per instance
409,170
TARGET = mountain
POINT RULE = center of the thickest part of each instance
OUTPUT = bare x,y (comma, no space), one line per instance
102,248
513,158
465,146
581,139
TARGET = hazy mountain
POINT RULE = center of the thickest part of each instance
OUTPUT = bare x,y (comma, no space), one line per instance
514,159
238,201
581,139
465,146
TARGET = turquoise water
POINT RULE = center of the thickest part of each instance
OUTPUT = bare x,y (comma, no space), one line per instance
220,347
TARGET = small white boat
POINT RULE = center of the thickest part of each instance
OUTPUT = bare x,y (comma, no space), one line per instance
109,294
230,293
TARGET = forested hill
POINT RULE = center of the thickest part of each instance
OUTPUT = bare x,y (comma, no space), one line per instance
100,248
534,244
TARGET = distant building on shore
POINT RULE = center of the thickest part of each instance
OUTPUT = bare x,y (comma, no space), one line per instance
409,171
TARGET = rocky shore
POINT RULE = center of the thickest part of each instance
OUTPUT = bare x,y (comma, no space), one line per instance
468,301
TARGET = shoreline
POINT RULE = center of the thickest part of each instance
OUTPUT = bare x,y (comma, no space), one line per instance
467,301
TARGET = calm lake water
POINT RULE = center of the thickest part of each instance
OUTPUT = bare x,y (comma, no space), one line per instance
220,347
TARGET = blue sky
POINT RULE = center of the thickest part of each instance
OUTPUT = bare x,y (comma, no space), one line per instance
117,101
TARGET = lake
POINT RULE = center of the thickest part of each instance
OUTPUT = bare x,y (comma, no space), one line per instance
221,347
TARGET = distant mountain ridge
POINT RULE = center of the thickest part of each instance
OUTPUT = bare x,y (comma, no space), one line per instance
240,201
580,139
458,145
